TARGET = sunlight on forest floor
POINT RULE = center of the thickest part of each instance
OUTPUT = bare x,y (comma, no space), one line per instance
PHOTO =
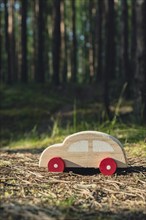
32,116
136,136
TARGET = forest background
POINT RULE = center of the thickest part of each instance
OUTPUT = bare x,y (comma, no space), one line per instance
68,66
71,65
84,58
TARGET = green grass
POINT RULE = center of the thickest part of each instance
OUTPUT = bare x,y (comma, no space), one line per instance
36,116
133,138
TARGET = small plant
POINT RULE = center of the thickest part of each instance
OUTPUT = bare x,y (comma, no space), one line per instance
74,116
119,103
55,128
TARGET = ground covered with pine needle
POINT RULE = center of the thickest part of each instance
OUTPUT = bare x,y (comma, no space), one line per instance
29,192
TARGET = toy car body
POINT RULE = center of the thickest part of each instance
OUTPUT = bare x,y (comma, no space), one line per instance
88,149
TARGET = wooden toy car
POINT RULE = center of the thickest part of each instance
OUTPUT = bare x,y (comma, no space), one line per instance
88,149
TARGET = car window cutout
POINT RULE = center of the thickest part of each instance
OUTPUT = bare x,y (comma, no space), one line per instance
102,146
80,146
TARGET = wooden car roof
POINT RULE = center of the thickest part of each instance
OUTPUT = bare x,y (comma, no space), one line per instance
91,135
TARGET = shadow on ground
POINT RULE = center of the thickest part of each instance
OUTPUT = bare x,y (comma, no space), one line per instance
16,211
120,171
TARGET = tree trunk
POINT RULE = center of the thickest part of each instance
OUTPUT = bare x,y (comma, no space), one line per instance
63,43
85,31
24,73
140,72
7,45
56,42
144,63
110,53
47,14
74,45
99,71
124,67
41,29
91,46
133,39
1,47
18,40
12,42
35,39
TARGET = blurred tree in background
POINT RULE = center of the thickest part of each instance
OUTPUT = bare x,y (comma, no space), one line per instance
100,42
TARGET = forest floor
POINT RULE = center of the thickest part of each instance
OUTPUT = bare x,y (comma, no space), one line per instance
30,192
32,119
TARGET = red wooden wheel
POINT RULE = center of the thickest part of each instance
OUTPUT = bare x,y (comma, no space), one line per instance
56,164
108,166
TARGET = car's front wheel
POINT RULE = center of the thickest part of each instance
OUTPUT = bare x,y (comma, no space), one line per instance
56,164
108,166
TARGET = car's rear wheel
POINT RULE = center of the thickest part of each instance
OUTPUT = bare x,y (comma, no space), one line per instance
56,164
108,166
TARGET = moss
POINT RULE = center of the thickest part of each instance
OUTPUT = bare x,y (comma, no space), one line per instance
4,163
136,149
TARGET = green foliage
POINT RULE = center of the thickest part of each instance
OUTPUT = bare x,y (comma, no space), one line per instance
35,117
119,103
74,116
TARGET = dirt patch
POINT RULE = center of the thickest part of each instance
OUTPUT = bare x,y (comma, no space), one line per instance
29,192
